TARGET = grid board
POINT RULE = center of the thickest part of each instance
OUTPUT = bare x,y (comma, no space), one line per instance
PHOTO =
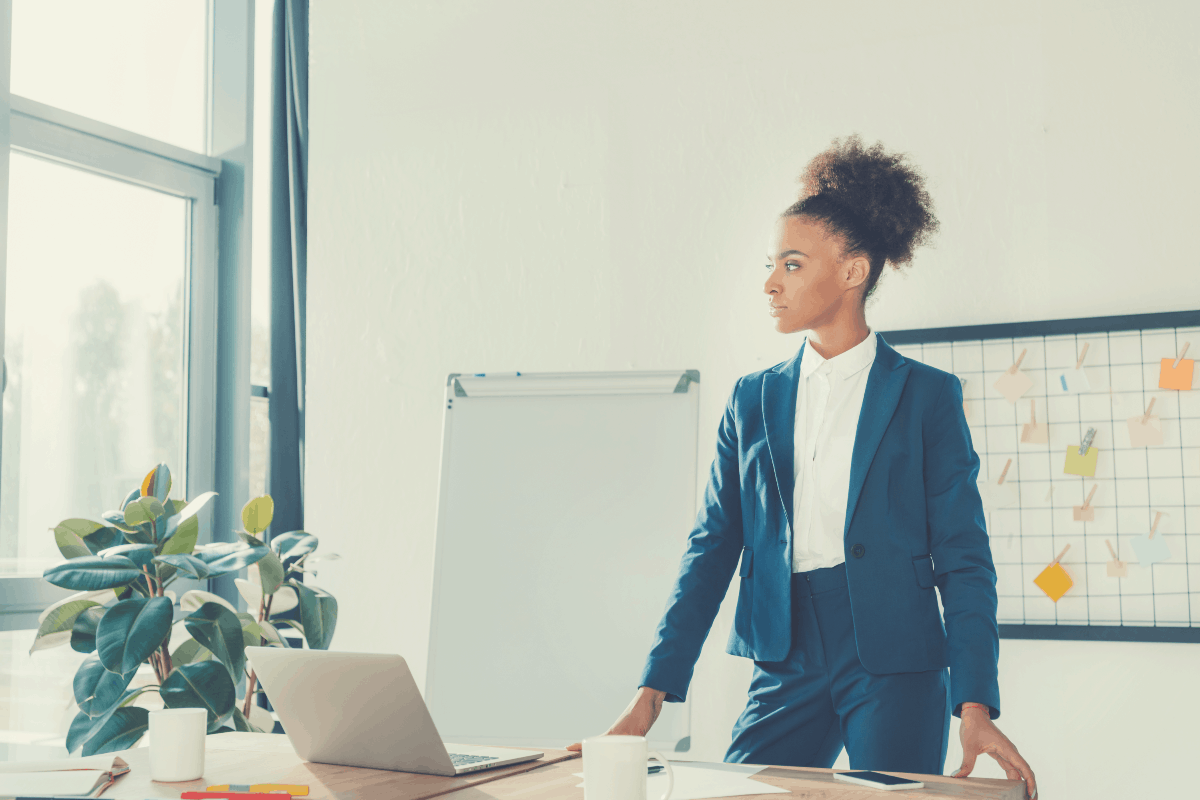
1160,602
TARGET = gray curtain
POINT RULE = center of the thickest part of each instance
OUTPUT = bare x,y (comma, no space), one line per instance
289,251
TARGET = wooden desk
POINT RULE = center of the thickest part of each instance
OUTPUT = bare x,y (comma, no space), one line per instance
558,782
269,758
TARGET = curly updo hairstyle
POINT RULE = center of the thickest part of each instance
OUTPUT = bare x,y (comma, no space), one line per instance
875,202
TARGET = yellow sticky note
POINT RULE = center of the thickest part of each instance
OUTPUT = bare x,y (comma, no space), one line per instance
1054,581
1081,464
1178,378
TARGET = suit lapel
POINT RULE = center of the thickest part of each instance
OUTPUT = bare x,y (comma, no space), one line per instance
885,384
779,421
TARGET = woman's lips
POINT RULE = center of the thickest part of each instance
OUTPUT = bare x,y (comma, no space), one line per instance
775,309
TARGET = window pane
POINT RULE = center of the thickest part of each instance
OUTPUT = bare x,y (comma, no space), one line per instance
36,700
260,256
136,64
94,347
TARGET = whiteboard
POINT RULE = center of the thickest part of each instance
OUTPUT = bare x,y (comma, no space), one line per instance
565,502
1133,484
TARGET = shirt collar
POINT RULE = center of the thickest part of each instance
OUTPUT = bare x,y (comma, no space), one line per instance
844,364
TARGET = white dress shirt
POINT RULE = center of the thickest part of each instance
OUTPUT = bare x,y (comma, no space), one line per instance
829,399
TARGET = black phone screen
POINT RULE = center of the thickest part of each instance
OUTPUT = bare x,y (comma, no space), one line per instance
879,777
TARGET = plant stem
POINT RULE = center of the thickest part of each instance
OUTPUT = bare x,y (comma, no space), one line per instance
264,611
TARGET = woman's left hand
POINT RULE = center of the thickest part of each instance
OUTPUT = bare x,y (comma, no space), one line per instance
979,734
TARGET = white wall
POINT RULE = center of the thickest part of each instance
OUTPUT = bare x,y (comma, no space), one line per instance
589,186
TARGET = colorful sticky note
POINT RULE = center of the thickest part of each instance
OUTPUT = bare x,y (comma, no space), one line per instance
1081,464
998,495
1054,581
1035,433
1151,549
1013,384
1071,381
1084,513
1178,378
1117,569
1149,434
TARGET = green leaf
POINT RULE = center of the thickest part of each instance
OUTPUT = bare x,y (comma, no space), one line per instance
69,535
182,538
83,632
185,563
190,510
129,498
117,520
284,601
250,591
131,631
157,483
229,556
92,573
191,601
257,514
139,554
204,685
143,511
59,623
293,544
214,627
318,614
270,573
103,539
96,689
240,723
190,652
120,732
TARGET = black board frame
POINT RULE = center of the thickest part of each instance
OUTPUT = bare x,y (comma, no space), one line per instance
1066,327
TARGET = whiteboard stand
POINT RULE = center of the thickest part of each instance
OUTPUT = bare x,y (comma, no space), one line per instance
564,505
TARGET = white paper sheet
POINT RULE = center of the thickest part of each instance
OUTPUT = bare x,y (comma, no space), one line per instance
45,784
700,780
103,762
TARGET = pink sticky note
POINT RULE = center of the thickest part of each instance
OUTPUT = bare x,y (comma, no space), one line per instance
1013,384
1147,435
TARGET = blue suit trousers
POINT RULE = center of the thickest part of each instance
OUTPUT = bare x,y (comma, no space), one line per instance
804,709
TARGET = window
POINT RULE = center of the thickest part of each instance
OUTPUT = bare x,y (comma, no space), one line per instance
109,261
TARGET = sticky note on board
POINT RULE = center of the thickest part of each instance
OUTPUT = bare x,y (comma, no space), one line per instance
1084,465
1178,377
1013,384
1071,381
1035,433
998,495
1117,569
1084,513
1151,549
1148,435
1054,581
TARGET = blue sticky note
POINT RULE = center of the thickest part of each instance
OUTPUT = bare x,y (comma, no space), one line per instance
1151,549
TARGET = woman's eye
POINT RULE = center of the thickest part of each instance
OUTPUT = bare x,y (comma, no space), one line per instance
792,264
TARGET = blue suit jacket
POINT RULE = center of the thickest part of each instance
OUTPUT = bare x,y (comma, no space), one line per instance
913,506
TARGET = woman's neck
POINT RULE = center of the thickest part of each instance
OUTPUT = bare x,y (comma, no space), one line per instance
840,335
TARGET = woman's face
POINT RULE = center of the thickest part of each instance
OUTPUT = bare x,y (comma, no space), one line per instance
808,281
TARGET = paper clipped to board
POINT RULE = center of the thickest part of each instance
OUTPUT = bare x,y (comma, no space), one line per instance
1014,383
998,494
1116,567
1034,432
1084,465
1072,381
1054,580
1145,430
1176,373
1151,549
1086,512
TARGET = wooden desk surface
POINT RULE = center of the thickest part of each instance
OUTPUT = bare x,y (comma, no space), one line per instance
558,782
269,758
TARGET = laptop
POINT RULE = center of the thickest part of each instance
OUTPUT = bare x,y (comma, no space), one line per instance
363,710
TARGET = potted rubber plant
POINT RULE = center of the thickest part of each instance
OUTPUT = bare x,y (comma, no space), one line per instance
124,612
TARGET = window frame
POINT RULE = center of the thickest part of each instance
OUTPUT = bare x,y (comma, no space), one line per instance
41,131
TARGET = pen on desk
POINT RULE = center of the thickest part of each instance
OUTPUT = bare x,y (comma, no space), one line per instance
653,768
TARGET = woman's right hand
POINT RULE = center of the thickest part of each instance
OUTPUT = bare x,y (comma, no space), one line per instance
637,718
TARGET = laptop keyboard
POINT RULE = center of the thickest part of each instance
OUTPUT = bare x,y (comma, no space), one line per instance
460,760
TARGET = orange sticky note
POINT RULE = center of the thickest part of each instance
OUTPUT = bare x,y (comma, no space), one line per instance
1081,464
1178,378
1054,581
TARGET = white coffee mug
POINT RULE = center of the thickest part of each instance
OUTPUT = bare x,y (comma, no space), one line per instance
614,768
177,743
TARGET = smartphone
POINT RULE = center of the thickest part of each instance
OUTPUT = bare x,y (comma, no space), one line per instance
877,780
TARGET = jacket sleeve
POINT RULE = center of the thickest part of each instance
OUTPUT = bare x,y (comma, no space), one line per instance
713,548
962,554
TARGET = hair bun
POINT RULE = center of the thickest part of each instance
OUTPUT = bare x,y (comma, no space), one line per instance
881,197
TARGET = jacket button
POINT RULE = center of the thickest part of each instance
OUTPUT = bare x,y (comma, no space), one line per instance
858,550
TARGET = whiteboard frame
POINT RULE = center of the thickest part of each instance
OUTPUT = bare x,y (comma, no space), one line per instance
521,384
1057,327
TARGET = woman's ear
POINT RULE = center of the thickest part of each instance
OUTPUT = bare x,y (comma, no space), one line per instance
855,271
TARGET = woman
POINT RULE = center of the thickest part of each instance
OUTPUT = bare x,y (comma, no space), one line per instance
843,491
